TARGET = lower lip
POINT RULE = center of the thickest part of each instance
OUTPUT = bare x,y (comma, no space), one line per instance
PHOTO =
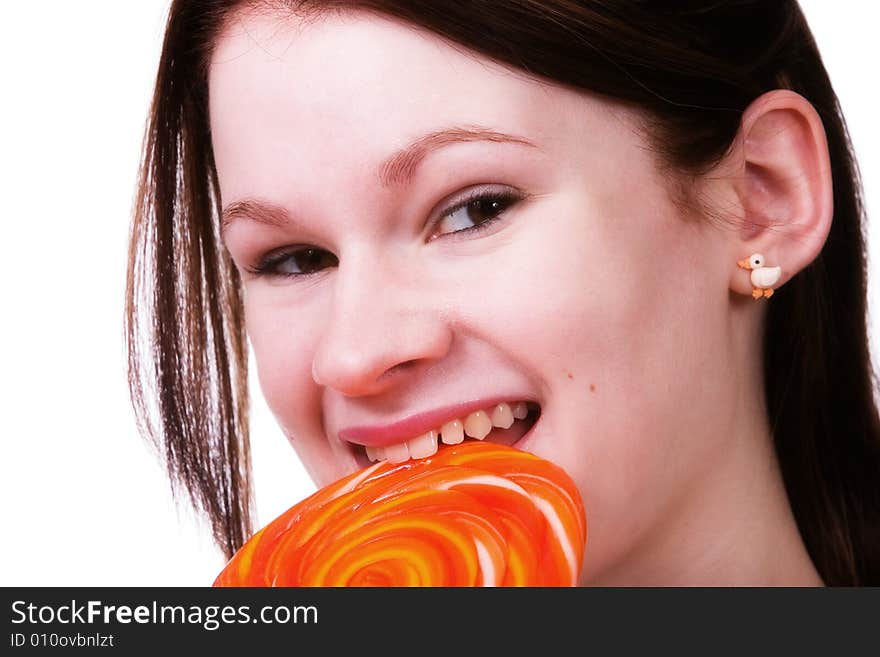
521,443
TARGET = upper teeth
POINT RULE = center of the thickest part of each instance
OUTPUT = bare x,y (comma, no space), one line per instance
476,425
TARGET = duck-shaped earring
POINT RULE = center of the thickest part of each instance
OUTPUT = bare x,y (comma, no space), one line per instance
763,278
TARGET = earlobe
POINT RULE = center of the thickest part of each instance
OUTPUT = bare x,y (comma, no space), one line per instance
785,187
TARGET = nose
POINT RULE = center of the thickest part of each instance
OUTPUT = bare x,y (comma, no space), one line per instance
381,324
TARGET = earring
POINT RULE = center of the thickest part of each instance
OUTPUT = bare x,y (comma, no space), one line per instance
763,278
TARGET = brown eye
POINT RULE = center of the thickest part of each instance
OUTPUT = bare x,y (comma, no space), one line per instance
475,212
293,264
306,261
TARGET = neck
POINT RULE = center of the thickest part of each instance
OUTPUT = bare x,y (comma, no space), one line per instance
734,525
735,529
739,530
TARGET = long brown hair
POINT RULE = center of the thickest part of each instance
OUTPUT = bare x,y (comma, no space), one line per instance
692,68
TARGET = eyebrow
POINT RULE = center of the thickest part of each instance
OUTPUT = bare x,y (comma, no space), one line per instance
401,166
398,169
268,214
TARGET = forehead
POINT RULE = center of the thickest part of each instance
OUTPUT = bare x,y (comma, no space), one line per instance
344,90
357,67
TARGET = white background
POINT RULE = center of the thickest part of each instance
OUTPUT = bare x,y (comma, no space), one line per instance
84,501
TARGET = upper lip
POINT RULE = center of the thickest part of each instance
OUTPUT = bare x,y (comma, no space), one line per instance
416,425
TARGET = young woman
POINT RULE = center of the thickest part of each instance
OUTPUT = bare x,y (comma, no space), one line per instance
641,222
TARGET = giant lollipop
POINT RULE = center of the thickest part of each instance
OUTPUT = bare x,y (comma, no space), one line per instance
473,514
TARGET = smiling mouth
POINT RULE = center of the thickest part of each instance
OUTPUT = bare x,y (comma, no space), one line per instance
503,426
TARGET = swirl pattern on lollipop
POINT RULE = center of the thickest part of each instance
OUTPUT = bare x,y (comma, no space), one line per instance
473,514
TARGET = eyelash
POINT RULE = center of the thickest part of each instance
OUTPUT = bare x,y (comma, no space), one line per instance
508,198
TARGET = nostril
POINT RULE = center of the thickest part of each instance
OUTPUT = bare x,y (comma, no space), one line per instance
397,369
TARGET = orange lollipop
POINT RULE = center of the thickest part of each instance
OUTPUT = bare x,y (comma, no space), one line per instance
473,514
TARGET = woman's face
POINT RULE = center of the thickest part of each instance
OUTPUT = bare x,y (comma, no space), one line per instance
586,294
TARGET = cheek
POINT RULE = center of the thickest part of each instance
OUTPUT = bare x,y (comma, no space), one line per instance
282,337
608,305
578,285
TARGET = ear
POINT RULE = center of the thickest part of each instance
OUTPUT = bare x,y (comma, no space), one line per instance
784,186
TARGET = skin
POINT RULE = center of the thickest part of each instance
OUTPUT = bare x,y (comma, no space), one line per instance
632,327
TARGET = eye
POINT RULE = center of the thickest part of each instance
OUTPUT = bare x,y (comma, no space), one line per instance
475,212
293,263
479,208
